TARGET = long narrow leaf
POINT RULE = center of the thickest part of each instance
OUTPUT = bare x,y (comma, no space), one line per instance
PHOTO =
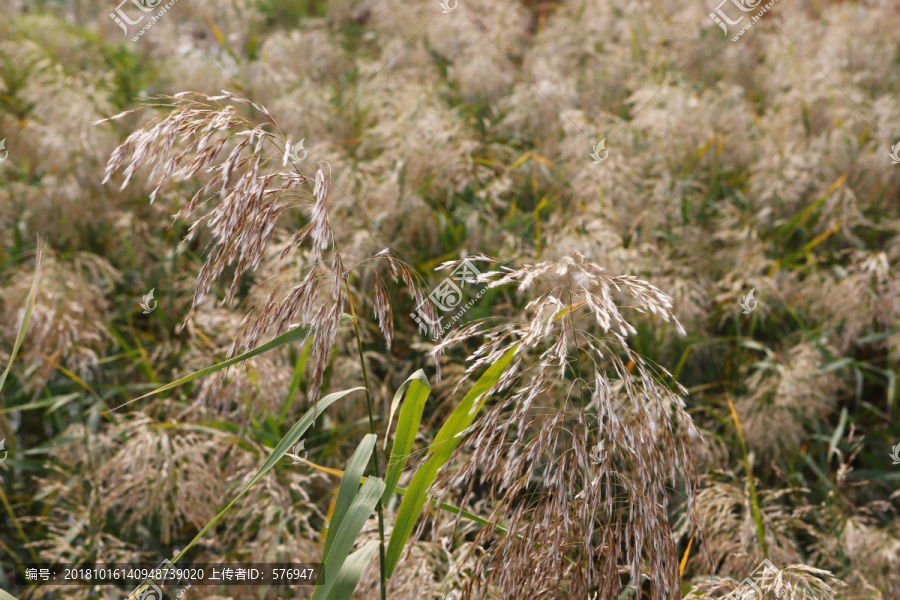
464,414
417,376
296,378
446,441
353,568
838,434
348,488
26,318
437,505
407,426
352,524
754,499
294,335
287,441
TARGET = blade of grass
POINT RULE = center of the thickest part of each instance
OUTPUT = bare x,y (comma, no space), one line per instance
19,530
684,559
54,402
754,500
348,488
289,337
446,441
20,337
418,376
353,568
684,356
357,515
296,379
26,317
410,416
799,220
223,40
441,505
78,380
838,434
144,361
891,391
283,447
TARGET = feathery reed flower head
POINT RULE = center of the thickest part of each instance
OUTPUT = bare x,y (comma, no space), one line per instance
253,193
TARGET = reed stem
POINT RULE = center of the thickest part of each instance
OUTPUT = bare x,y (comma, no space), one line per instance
378,507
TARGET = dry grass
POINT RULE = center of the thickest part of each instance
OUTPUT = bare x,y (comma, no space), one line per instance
609,443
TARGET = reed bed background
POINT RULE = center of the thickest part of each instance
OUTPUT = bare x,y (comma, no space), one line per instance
676,356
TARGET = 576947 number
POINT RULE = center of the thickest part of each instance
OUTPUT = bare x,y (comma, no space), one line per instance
292,574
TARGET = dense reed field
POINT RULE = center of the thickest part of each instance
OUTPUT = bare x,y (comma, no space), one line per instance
455,299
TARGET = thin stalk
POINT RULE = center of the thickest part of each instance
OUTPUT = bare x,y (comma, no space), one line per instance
15,522
754,500
378,508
